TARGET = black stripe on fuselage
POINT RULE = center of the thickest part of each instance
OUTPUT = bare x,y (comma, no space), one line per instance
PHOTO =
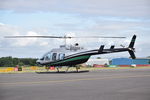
95,52
82,53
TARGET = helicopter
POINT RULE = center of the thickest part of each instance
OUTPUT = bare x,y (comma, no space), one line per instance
74,55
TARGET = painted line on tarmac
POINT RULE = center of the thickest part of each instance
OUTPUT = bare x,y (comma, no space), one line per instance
74,80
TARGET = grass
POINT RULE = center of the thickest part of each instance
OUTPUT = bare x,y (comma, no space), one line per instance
32,69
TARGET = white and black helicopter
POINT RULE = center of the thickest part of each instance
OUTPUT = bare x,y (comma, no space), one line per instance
71,56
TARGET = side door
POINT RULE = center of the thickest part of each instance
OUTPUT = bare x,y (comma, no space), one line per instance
54,56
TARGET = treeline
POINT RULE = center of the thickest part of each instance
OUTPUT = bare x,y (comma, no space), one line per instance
12,62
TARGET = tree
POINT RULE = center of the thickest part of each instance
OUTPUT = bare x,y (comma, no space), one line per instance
12,62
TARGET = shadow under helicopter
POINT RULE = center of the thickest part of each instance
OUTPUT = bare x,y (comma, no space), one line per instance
62,72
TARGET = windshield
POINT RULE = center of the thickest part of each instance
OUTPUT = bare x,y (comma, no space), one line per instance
46,56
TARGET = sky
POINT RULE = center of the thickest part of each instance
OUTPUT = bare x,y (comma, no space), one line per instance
73,18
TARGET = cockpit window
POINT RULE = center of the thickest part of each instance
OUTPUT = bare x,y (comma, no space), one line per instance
48,56
42,58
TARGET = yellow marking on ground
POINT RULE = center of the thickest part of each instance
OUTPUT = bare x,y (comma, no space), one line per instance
39,69
74,80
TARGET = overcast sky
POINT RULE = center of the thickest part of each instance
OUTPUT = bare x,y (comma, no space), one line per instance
74,18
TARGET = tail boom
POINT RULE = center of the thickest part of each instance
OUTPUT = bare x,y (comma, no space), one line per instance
130,49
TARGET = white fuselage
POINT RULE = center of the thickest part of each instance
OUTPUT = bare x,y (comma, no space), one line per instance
60,53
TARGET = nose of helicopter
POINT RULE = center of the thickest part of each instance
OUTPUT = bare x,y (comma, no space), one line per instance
38,61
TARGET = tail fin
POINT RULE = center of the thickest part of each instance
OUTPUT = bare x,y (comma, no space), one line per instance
131,47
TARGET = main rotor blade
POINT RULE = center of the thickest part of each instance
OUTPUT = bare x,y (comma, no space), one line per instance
64,37
98,37
34,37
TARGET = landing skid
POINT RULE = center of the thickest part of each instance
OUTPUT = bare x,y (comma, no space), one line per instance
57,69
67,70
77,69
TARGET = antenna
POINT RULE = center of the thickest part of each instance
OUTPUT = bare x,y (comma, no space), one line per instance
65,39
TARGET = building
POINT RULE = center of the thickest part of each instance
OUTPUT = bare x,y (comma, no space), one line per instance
97,61
127,61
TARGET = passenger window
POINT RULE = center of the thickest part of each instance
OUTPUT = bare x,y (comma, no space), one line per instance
61,56
54,56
